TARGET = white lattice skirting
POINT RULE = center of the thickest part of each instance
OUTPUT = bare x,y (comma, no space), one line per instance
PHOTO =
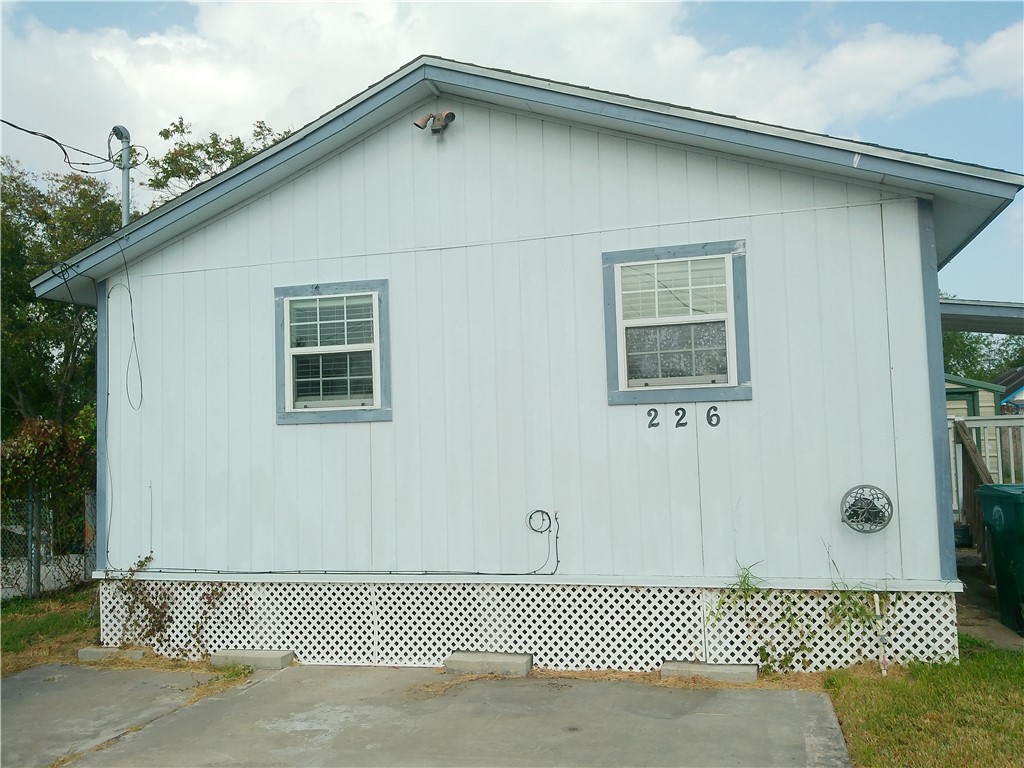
563,626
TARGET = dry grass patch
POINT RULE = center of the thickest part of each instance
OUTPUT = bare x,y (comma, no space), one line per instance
47,630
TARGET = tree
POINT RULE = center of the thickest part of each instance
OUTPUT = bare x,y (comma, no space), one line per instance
981,356
48,367
188,163
966,354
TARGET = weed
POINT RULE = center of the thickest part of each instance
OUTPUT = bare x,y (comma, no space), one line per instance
147,615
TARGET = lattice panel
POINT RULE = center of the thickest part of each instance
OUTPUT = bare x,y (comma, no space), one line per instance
563,626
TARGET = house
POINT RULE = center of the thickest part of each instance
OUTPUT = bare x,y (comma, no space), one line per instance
970,397
598,378
1013,396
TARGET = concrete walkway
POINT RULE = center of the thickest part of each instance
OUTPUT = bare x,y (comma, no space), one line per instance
360,716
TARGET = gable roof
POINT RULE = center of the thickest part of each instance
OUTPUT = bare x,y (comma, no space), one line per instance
962,382
965,197
1013,381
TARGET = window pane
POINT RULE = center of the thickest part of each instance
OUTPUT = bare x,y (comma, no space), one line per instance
704,272
335,379
307,367
360,363
642,366
332,310
711,363
709,335
360,332
359,307
362,387
675,365
332,334
676,352
631,308
673,303
334,365
303,311
673,274
334,321
639,278
675,337
335,389
641,340
304,335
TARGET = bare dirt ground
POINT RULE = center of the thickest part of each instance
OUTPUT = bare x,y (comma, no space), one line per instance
977,612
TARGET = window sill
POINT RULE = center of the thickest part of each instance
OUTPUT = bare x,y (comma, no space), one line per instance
680,395
334,417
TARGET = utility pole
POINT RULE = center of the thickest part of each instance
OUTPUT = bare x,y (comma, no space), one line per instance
121,133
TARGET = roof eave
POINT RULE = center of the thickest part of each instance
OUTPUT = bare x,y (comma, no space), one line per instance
987,190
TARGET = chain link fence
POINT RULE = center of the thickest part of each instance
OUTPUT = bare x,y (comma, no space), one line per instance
43,548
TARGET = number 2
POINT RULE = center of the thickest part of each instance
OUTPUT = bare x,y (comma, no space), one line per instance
681,421
653,413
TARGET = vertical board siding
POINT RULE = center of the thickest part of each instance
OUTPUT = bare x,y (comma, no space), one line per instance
491,239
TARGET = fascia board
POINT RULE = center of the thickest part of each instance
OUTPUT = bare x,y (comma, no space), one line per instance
223,192
525,90
982,316
733,135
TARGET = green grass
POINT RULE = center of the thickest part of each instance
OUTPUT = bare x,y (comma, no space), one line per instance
971,713
26,623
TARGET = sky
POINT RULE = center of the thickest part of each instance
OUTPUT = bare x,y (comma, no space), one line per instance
940,78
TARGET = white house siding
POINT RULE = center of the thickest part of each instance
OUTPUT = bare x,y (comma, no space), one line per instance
491,239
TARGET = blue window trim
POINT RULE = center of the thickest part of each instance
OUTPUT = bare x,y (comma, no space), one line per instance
340,415
740,391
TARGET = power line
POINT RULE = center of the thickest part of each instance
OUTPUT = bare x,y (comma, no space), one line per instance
64,147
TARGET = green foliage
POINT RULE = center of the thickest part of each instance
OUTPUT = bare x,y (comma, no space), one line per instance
48,367
980,356
188,163
44,454
45,460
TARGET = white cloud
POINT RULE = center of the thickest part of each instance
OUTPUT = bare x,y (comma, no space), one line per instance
288,63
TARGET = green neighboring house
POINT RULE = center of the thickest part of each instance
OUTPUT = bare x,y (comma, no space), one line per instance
969,397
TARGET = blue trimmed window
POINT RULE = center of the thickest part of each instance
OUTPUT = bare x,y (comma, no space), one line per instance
332,352
676,324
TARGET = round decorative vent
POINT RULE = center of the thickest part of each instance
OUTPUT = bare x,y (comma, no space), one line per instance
866,509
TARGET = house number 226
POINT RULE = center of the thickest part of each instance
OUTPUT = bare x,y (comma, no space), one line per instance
713,417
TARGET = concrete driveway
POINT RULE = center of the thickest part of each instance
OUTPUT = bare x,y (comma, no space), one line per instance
360,716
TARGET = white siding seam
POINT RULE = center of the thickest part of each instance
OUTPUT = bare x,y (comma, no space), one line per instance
892,392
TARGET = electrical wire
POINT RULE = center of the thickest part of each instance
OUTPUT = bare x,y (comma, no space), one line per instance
81,165
134,350
549,526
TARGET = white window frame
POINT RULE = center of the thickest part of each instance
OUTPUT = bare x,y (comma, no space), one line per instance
736,384
730,332
377,409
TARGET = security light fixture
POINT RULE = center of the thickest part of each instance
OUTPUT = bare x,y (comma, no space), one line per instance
438,122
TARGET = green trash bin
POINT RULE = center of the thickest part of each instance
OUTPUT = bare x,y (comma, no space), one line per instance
1003,509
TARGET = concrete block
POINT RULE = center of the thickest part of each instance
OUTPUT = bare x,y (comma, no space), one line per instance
97,654
732,673
134,655
227,657
487,663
